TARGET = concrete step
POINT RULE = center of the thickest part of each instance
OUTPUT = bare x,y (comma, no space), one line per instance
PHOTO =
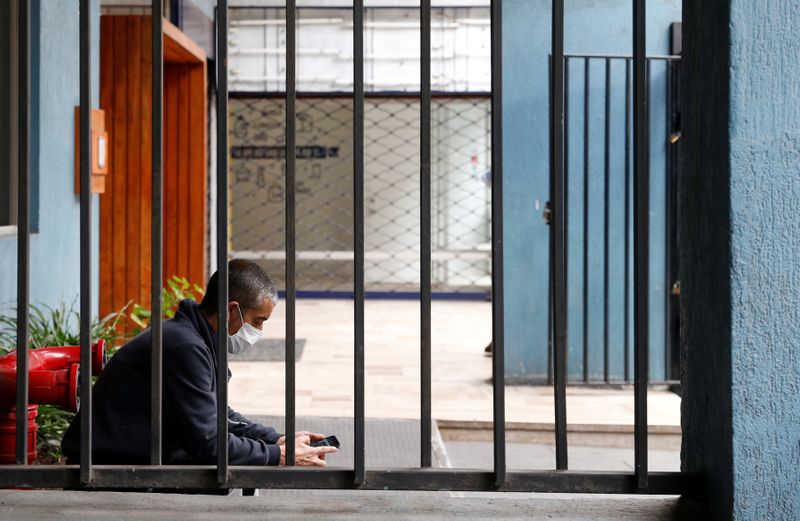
53,505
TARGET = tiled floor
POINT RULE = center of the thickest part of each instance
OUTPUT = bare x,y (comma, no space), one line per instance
461,373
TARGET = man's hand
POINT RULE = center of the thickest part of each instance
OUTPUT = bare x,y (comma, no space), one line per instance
305,455
308,437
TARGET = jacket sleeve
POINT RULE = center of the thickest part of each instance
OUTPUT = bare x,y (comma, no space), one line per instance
190,401
246,428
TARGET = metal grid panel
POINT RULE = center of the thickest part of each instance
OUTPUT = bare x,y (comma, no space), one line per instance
461,197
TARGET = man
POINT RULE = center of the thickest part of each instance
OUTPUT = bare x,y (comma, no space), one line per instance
121,395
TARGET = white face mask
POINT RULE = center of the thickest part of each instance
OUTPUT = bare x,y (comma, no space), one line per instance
245,338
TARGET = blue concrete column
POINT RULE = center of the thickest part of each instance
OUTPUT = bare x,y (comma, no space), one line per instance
740,233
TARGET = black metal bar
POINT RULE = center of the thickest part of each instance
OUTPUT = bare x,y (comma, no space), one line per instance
86,239
548,220
672,253
669,226
606,195
157,233
585,310
565,160
558,235
498,345
222,240
358,237
551,331
410,94
48,476
640,245
23,224
565,155
622,56
626,306
425,233
291,249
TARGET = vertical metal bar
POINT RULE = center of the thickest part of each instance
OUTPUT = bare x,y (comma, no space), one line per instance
558,231
586,219
672,355
23,224
86,239
425,233
156,233
550,278
498,346
291,97
565,155
606,185
627,225
565,160
222,240
669,227
550,332
647,124
358,216
640,245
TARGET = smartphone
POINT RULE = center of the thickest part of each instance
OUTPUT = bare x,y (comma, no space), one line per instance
330,441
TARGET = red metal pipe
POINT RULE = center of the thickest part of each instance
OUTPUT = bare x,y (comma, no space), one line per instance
53,375
8,435
59,357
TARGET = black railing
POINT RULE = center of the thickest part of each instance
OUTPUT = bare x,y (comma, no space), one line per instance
23,220
581,141
157,234
222,475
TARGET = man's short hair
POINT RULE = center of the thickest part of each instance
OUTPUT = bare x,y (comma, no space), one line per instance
248,284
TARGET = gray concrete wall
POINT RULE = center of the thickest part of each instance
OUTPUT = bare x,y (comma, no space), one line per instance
741,241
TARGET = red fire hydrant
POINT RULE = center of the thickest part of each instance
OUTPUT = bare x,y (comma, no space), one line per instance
52,380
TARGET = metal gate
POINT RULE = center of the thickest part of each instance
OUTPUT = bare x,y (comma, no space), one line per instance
599,214
223,475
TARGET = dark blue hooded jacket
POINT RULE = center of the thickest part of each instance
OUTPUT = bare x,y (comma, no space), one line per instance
121,404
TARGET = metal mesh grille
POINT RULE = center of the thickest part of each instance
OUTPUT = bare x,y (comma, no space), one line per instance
460,191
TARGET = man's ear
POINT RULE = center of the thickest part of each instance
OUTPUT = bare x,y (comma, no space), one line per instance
232,306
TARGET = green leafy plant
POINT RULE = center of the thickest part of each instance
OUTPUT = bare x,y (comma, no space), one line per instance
56,326
59,326
177,289
53,423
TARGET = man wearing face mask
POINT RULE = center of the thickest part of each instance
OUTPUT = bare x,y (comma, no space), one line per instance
121,395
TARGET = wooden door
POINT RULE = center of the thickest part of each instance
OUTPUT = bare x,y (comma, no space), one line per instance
125,208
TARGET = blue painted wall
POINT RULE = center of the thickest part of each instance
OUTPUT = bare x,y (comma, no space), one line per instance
765,248
55,267
741,304
590,27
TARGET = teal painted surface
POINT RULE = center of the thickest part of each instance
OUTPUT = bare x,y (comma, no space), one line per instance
55,267
765,248
591,27
741,231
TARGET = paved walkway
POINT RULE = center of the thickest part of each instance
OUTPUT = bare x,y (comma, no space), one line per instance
461,389
395,443
51,505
